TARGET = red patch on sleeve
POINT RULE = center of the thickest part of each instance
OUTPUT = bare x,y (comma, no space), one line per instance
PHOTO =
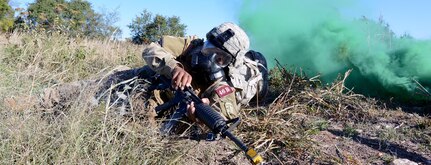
224,90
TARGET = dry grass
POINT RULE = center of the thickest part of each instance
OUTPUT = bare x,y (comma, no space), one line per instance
80,134
284,131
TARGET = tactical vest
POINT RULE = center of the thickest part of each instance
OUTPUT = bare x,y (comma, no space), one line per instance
248,75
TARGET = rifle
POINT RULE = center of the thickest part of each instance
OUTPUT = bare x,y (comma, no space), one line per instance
203,112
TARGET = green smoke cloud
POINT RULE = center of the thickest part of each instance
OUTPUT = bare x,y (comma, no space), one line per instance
314,36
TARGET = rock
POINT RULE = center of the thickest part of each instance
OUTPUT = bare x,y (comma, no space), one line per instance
403,162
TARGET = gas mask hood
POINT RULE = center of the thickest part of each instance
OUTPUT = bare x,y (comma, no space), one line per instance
211,61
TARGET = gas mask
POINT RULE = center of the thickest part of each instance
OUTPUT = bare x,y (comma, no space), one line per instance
211,61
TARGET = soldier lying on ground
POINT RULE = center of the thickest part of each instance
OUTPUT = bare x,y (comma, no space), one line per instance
222,70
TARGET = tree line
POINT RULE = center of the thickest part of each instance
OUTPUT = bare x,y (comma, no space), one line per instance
78,18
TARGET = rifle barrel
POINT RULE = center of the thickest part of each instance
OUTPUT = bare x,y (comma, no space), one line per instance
238,142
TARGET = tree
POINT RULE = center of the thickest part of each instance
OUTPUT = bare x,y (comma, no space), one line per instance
46,13
73,17
146,28
106,27
6,16
175,28
138,27
80,17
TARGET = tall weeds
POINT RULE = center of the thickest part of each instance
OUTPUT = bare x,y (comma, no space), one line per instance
80,134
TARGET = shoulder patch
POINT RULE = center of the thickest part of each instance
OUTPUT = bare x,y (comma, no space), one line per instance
224,90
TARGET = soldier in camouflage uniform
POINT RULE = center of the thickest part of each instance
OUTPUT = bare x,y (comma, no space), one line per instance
203,64
221,69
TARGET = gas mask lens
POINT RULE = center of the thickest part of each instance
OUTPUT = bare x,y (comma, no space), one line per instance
221,59
216,55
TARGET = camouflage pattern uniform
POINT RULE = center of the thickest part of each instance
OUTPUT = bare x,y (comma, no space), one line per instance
159,60
244,78
164,57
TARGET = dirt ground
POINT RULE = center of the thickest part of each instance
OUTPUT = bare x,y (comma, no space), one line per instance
376,142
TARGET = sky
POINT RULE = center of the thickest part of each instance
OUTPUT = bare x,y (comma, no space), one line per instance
412,17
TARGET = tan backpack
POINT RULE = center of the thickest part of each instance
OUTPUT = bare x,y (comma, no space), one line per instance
249,76
176,45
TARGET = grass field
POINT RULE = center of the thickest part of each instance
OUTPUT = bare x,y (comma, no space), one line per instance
301,123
